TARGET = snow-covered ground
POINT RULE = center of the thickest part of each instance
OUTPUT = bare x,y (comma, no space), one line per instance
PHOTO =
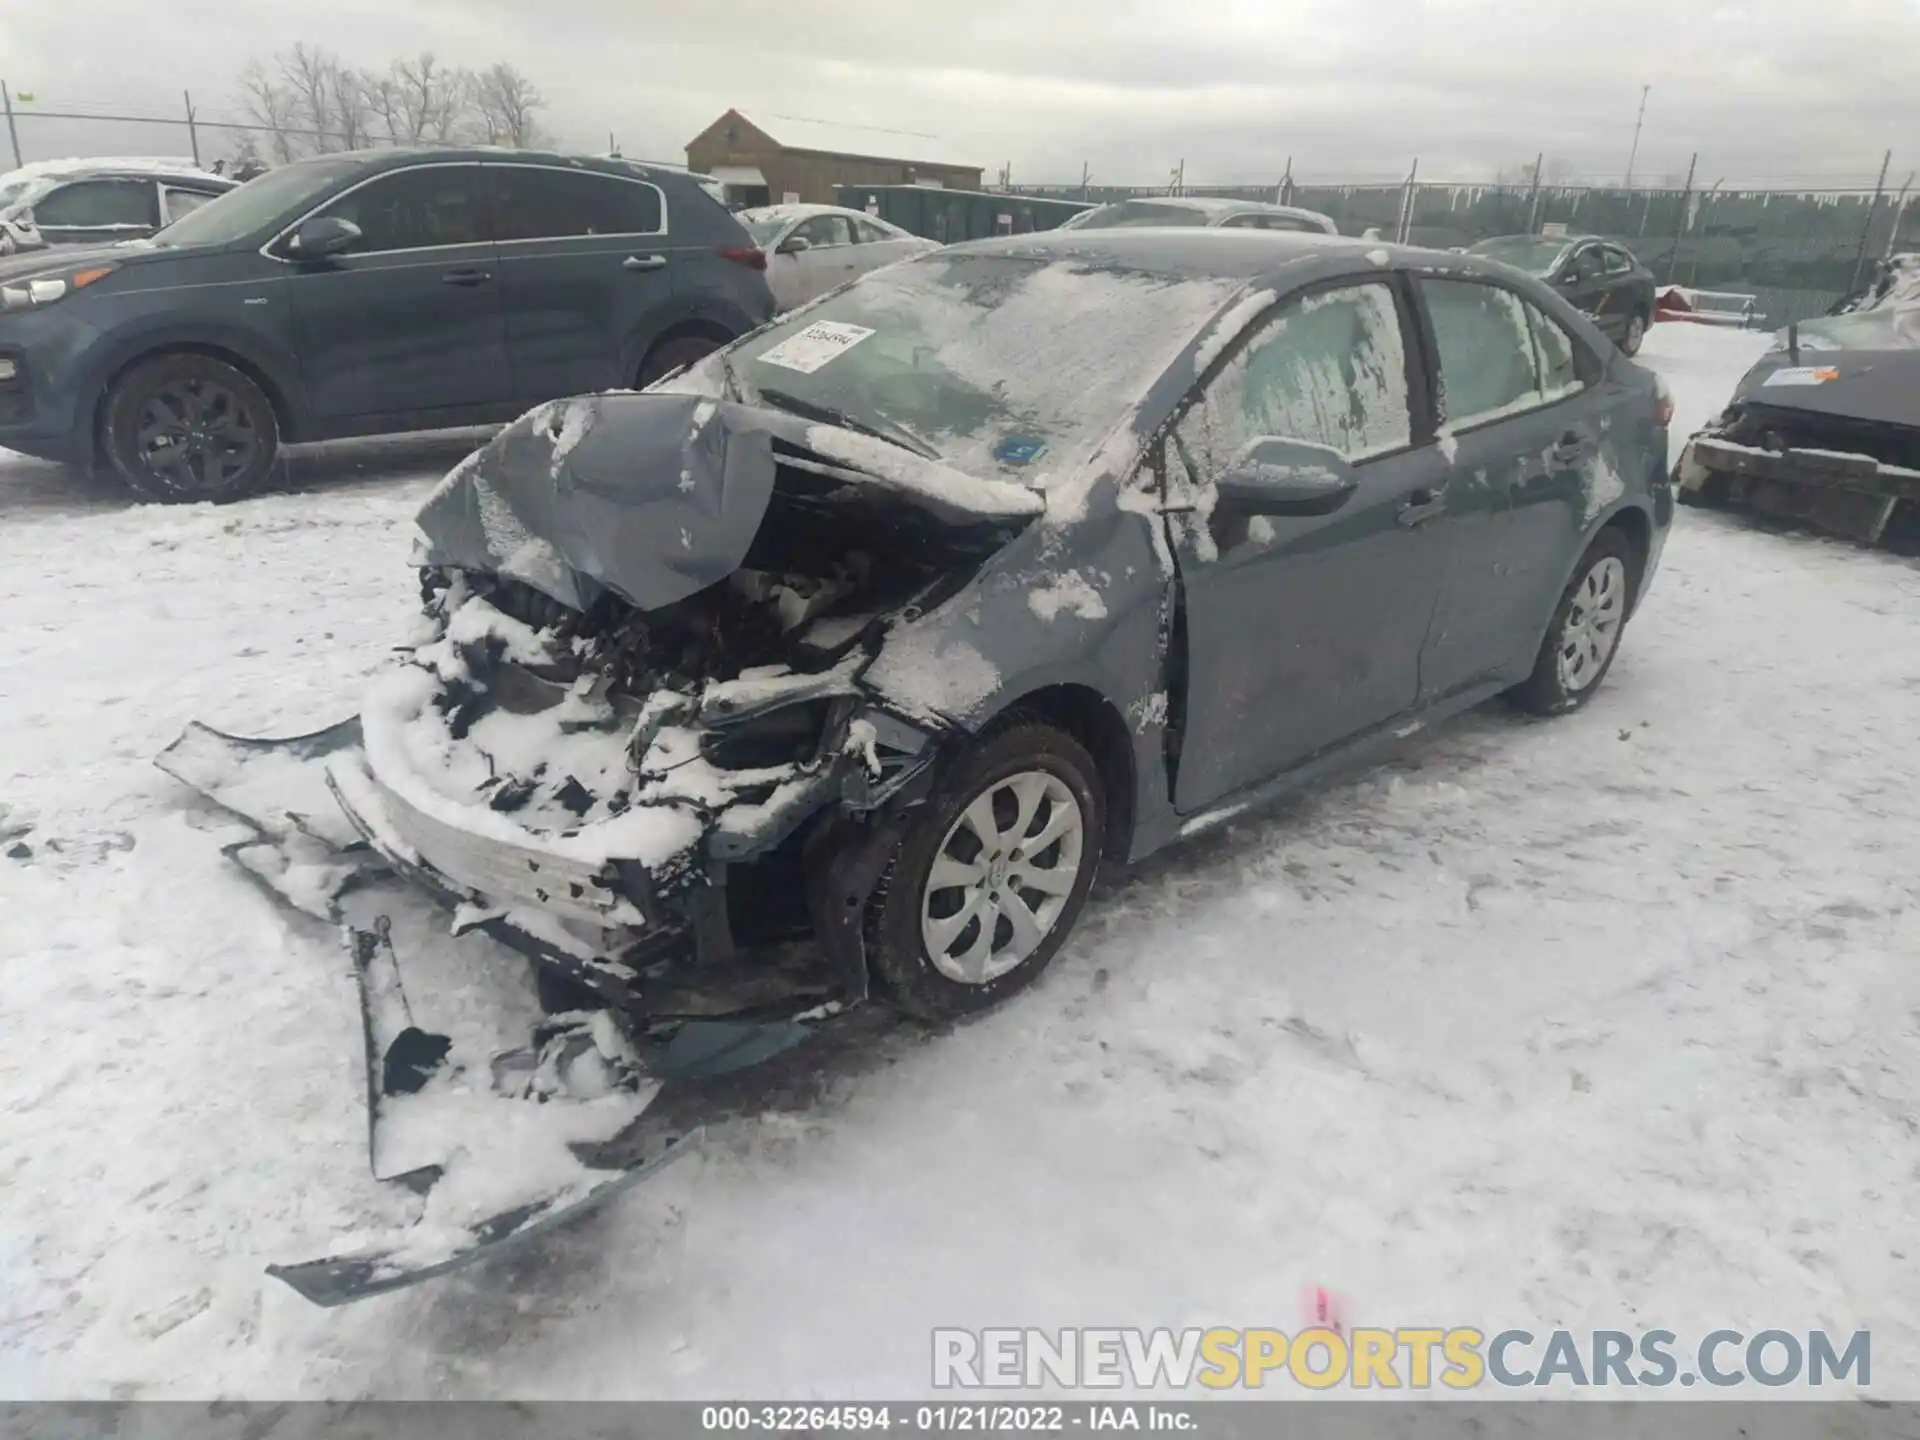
1607,1021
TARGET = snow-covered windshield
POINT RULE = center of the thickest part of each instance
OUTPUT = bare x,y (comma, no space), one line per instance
11,190
1139,212
1005,366
1532,253
274,197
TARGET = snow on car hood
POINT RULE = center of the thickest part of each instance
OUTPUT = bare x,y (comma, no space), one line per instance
655,496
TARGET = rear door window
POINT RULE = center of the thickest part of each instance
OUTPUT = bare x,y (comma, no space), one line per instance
536,203
1329,367
869,233
1557,356
1487,364
824,230
417,209
182,202
99,205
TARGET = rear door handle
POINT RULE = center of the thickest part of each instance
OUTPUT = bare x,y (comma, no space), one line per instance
1420,507
466,276
644,262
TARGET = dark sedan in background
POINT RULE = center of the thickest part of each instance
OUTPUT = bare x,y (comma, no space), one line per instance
1600,277
363,294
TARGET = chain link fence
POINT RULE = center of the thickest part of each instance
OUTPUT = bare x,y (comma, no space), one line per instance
1796,251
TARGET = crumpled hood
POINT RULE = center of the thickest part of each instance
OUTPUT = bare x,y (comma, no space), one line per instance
1863,366
658,495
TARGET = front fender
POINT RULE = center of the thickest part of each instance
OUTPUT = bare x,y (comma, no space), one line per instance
272,359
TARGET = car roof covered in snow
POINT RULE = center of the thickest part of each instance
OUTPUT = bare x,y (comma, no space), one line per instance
81,167
800,212
1196,252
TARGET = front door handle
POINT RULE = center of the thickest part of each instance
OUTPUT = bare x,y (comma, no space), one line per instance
466,276
1420,507
644,262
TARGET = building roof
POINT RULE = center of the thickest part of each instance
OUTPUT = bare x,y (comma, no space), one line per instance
868,142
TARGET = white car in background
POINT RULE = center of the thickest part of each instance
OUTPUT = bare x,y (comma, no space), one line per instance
1156,210
812,248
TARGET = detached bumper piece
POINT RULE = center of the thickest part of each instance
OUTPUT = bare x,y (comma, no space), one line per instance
491,1143
1851,495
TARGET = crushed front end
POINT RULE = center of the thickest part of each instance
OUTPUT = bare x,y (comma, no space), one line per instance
631,740
1824,430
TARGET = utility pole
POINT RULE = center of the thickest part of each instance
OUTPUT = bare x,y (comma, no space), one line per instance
1286,184
1179,178
13,132
1634,153
1533,192
1086,179
1680,220
1860,256
193,133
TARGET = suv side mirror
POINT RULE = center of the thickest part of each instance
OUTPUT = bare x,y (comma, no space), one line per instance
793,245
322,236
1277,476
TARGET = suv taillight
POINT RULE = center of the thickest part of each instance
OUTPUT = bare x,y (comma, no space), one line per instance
745,255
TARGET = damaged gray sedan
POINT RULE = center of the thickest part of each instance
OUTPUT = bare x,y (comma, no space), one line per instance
837,664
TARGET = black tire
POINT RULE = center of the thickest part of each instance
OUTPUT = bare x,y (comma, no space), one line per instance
669,355
905,971
1634,334
184,427
1549,690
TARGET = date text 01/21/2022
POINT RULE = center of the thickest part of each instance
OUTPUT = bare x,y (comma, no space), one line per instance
944,1417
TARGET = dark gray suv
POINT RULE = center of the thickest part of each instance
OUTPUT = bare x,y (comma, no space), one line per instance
363,294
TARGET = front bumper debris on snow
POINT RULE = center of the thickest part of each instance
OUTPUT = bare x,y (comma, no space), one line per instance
633,743
1853,495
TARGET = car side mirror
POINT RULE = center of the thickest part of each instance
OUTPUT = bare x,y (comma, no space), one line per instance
322,236
1278,476
793,245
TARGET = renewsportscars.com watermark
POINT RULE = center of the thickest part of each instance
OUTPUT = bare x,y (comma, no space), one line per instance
1461,1358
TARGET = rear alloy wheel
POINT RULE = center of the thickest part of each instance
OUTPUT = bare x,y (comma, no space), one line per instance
1636,332
181,428
1584,635
987,886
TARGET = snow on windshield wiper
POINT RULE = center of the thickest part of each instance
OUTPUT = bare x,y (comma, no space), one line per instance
895,435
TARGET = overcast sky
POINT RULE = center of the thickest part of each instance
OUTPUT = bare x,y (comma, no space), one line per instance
1772,89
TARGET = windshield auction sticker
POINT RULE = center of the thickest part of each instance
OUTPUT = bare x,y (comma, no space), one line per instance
814,346
1803,375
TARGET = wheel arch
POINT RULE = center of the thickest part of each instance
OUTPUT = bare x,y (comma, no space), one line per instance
1637,526
286,413
1096,722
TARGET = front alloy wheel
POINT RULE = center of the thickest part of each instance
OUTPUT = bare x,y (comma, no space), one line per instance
988,882
187,427
1004,874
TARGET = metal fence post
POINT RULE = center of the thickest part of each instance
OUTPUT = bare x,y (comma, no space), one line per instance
1866,229
1286,184
1680,218
1533,191
1406,204
193,134
13,134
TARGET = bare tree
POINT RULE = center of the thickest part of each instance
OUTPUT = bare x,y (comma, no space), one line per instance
352,106
307,74
274,108
430,99
506,101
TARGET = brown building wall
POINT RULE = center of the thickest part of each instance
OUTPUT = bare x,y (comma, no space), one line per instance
809,174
